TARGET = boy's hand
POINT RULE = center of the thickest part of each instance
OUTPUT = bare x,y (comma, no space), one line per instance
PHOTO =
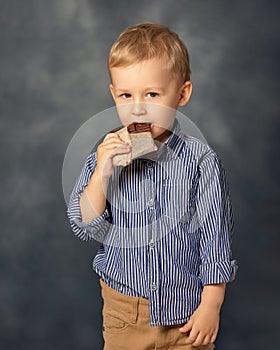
111,146
203,326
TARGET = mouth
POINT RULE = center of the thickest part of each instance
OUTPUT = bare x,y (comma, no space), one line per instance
139,127
141,121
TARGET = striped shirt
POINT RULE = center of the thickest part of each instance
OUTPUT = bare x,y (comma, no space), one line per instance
167,227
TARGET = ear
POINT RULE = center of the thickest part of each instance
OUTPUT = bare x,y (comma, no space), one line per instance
112,91
185,93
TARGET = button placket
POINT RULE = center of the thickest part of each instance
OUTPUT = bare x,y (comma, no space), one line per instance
154,287
149,172
153,258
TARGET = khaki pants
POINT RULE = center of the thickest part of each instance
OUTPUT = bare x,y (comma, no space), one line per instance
126,326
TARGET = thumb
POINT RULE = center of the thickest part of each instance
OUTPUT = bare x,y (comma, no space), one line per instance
187,327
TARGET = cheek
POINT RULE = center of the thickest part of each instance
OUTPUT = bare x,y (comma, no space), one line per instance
163,117
124,113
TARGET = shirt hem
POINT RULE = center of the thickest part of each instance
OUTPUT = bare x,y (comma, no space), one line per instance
170,323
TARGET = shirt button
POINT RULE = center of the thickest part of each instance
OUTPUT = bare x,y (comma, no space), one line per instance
149,164
150,202
154,287
152,244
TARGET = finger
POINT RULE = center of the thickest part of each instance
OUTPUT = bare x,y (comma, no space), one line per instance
112,138
187,327
113,152
114,144
199,340
112,135
120,150
206,340
192,337
107,148
213,338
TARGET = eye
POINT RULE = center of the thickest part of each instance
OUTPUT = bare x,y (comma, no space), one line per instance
125,96
152,94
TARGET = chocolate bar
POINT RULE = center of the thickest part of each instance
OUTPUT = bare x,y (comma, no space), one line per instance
135,128
139,136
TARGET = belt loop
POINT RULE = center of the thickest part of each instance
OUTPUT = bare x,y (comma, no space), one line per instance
134,315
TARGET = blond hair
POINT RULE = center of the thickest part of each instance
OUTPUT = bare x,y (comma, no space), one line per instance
149,40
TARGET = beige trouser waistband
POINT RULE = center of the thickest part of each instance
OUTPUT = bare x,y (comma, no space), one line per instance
132,306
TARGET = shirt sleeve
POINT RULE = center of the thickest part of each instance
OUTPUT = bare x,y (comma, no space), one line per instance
96,228
215,218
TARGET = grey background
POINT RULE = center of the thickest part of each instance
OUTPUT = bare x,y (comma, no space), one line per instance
53,78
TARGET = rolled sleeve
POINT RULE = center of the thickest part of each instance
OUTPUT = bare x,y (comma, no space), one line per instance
215,219
97,228
219,272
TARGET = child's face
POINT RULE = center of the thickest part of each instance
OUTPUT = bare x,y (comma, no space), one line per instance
148,92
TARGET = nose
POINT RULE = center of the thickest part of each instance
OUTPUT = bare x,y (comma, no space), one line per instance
139,109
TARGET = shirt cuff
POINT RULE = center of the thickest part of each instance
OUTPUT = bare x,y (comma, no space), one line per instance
218,272
95,229
93,223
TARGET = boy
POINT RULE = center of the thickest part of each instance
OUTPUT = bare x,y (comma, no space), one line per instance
165,222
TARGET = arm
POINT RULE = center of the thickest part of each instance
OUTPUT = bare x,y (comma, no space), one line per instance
93,199
87,211
95,228
214,214
203,325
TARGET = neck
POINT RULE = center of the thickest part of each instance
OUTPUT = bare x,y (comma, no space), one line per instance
164,136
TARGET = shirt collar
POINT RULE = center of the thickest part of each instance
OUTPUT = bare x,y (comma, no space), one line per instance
172,147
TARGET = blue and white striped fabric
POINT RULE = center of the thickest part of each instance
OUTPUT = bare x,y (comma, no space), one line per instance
167,227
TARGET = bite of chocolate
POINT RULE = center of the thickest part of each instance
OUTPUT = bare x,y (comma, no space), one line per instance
136,128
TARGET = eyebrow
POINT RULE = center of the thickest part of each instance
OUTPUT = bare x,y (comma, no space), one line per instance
152,88
121,90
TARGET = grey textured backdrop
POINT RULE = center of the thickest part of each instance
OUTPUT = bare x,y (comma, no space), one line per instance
53,78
